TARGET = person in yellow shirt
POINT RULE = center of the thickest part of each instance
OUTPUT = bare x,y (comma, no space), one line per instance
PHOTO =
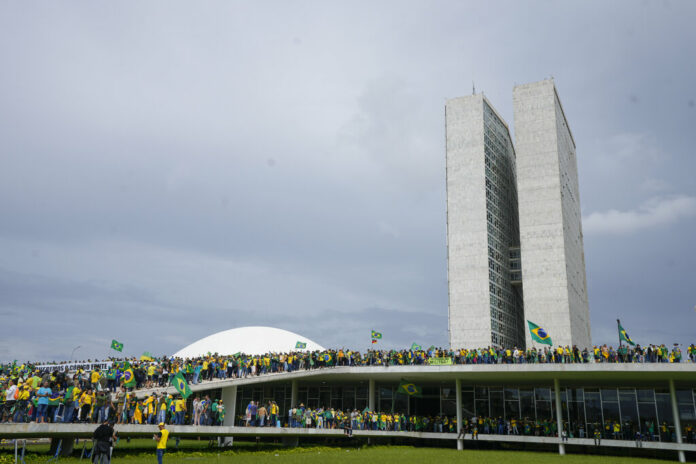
179,411
94,378
161,439
85,404
138,413
151,403
150,375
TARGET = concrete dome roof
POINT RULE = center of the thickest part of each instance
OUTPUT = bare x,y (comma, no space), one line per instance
248,340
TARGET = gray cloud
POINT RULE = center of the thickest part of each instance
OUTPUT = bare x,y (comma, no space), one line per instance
654,213
169,173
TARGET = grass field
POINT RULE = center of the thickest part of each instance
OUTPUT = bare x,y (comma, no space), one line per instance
198,452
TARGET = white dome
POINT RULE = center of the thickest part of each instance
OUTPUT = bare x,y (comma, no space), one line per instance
248,340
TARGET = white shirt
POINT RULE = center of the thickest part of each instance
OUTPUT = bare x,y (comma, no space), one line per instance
9,393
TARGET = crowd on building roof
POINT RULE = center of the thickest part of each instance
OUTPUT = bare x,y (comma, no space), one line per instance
60,395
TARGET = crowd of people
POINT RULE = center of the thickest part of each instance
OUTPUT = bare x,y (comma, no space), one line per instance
63,399
268,415
158,371
58,395
610,429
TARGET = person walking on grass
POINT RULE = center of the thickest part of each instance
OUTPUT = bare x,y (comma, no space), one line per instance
161,439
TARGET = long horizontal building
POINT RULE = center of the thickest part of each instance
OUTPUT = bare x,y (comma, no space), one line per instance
578,396
581,396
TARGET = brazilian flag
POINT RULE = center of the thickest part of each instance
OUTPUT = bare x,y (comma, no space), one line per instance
327,357
416,347
539,335
376,335
410,389
623,336
300,345
115,345
128,376
55,399
181,386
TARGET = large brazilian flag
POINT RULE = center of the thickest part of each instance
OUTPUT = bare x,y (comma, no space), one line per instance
128,376
539,335
181,386
410,389
623,336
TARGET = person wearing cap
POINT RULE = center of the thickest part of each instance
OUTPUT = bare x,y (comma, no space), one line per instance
161,439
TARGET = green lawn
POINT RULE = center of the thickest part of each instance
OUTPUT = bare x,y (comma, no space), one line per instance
195,452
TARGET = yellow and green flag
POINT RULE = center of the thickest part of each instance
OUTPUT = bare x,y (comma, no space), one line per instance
623,336
181,386
128,376
539,335
300,345
416,347
376,335
410,389
115,345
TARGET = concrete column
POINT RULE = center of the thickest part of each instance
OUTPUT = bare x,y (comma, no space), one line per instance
458,396
559,416
229,398
371,395
293,394
677,422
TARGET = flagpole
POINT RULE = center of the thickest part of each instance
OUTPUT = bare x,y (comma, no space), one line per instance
618,327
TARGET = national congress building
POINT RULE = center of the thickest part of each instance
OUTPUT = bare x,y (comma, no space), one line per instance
514,232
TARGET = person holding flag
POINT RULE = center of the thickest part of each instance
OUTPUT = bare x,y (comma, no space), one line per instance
128,376
181,386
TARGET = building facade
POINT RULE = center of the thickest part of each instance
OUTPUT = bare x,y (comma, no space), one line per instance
552,251
514,233
485,294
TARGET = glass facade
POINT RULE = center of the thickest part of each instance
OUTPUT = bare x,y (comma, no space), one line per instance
644,410
506,311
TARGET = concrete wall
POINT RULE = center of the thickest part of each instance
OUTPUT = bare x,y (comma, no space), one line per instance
467,258
553,263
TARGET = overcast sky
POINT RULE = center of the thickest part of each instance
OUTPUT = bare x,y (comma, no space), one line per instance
171,169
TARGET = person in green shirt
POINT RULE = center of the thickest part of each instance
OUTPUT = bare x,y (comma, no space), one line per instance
214,412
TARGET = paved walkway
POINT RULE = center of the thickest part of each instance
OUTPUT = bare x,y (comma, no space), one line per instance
12,431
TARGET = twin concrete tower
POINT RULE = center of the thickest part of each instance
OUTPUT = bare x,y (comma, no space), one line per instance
514,232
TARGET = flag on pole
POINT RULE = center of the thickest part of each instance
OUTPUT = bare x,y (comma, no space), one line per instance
181,385
376,335
300,345
416,347
623,336
410,389
115,345
539,335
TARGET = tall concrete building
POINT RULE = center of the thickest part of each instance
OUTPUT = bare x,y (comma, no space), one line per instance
514,237
553,257
485,297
